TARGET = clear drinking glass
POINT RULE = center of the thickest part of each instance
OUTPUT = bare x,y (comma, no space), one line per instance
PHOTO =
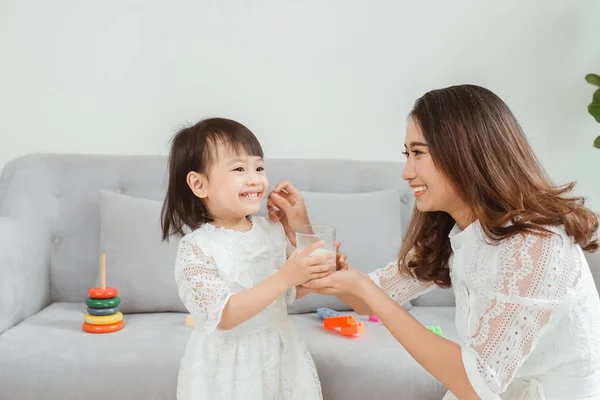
309,234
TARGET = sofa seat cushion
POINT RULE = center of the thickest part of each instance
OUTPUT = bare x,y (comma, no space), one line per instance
374,366
49,354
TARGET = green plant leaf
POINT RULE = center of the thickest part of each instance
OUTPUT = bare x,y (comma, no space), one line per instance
597,142
593,79
594,109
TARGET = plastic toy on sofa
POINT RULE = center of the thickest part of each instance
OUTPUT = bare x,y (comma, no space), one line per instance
344,324
103,315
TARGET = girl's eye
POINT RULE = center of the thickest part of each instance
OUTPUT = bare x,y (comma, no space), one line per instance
239,169
260,169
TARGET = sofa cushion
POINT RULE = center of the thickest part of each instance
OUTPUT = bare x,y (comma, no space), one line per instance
373,366
138,263
49,354
438,297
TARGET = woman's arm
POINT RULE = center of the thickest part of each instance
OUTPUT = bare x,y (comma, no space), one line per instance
439,356
534,280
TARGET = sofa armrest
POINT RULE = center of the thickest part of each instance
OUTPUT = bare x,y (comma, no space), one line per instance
24,271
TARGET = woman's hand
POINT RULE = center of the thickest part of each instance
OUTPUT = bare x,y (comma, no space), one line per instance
348,281
291,209
340,258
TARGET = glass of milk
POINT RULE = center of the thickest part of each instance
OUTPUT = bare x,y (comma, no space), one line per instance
309,234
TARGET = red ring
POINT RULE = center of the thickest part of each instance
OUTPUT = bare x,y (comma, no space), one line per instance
99,293
102,328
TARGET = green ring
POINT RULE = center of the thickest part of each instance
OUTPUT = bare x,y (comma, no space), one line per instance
103,303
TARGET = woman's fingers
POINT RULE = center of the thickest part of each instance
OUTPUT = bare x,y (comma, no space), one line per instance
287,186
281,202
320,283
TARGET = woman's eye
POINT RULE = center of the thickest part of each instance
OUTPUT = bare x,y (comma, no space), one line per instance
405,153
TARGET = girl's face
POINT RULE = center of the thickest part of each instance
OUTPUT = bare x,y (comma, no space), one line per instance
433,191
233,188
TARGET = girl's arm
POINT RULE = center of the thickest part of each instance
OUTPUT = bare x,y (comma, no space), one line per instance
301,291
246,304
212,302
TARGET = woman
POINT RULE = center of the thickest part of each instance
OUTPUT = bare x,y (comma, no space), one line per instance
488,223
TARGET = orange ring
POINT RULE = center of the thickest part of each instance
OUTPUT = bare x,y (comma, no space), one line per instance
102,328
99,293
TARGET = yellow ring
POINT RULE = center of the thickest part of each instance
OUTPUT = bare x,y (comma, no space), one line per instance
104,319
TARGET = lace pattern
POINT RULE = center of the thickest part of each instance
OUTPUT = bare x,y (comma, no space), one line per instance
525,303
262,358
400,286
200,287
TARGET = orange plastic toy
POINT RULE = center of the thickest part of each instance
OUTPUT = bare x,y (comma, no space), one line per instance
344,324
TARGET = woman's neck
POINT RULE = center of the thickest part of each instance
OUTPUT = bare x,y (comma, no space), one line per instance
463,216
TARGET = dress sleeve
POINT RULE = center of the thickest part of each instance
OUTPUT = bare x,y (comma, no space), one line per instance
401,286
534,278
200,288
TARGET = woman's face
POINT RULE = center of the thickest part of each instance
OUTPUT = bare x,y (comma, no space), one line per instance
433,191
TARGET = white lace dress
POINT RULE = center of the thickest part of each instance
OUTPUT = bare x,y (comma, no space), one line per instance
260,359
527,314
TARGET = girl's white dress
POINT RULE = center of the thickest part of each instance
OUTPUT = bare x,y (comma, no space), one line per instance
527,314
260,359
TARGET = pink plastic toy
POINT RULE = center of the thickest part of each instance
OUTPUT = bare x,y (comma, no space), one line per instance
373,318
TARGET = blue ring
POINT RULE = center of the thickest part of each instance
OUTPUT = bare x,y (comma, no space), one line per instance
103,311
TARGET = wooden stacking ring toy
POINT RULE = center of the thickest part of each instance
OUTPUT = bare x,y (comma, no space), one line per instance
103,315
102,311
99,293
102,328
103,303
103,319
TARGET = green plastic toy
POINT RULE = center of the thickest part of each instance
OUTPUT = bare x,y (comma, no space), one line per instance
436,329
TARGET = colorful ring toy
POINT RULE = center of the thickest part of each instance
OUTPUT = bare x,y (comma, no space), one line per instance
102,328
102,311
103,303
104,319
99,293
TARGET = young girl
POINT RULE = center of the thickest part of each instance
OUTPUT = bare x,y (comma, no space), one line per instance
489,223
232,272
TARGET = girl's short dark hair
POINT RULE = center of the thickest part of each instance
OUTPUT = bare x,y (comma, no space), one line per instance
194,149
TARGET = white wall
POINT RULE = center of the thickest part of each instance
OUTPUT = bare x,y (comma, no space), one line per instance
121,76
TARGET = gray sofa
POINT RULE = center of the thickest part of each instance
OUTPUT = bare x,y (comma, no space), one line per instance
50,233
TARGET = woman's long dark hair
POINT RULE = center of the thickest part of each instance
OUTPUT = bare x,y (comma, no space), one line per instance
476,142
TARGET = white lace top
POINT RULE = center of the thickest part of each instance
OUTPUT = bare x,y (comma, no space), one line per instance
260,359
527,314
